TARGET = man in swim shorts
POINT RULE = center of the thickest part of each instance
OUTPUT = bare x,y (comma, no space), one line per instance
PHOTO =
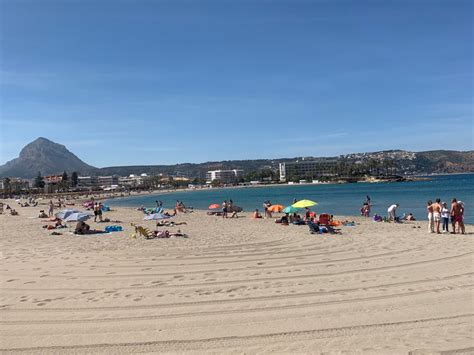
456,216
437,214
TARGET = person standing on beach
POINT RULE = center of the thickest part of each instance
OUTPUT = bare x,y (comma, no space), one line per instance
456,216
429,209
224,209
437,214
392,212
463,228
51,208
445,217
96,211
99,211
266,205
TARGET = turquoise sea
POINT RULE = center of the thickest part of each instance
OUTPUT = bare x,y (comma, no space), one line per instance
337,199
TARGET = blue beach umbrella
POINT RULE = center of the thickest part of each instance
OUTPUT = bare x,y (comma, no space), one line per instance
290,209
78,217
63,214
155,217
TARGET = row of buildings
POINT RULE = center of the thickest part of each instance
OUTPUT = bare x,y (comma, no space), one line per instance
288,171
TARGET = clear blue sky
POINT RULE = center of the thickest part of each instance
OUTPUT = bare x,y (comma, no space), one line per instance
158,82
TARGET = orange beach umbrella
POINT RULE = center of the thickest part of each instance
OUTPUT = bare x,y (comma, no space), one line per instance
276,208
214,206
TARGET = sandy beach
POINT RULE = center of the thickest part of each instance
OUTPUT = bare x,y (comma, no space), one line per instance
235,286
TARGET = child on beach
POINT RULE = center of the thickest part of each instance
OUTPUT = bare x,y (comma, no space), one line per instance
445,217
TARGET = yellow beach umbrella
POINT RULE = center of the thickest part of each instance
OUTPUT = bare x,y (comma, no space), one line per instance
304,204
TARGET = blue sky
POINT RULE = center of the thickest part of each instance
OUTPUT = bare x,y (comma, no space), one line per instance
164,82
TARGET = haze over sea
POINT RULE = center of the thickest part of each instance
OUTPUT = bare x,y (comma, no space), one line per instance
337,199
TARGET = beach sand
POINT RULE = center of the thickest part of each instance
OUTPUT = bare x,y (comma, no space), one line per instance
236,285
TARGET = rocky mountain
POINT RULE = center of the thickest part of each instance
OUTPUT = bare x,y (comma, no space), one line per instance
47,157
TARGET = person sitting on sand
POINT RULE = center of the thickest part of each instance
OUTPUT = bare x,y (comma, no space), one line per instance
83,228
283,220
42,214
180,206
256,214
13,212
57,224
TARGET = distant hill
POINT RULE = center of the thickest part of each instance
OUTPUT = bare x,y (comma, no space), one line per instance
47,157
51,158
445,161
190,170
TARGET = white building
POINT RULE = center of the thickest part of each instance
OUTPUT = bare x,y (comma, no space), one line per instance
307,169
132,180
108,180
87,181
224,176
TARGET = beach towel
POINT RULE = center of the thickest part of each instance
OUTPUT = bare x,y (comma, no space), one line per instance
113,229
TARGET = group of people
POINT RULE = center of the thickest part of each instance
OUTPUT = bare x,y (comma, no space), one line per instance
7,207
439,214
98,211
228,207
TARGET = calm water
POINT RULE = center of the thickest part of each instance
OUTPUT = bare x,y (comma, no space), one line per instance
344,199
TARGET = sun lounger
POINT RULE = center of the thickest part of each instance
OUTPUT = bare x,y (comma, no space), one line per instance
148,234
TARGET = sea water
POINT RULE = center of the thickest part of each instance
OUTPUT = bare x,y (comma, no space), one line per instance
337,199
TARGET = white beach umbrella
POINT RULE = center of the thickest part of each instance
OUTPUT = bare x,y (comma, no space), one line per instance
63,214
155,217
78,217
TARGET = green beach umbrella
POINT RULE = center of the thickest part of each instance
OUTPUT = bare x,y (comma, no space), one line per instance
290,209
304,204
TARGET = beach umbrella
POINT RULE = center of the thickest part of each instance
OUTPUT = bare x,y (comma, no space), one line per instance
63,214
78,217
155,217
276,208
304,204
214,206
290,209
